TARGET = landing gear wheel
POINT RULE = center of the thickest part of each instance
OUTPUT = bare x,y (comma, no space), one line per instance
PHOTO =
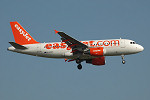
79,66
123,61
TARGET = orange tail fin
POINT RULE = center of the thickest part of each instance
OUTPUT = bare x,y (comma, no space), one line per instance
21,36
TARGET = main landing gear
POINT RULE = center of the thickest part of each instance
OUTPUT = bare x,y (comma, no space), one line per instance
78,61
79,66
123,61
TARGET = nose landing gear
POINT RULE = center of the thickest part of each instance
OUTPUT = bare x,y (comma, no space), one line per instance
123,61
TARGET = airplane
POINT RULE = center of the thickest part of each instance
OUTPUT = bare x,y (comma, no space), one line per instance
91,51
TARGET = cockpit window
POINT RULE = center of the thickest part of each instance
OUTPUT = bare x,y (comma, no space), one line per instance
132,43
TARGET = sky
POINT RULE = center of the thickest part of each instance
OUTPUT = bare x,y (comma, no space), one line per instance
24,77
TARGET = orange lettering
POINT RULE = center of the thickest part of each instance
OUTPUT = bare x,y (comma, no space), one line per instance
68,48
100,43
106,43
63,45
114,42
91,43
48,46
86,43
55,46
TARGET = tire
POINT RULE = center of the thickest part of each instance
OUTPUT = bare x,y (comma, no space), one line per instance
123,61
79,66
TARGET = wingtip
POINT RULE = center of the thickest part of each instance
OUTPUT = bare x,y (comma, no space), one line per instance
56,31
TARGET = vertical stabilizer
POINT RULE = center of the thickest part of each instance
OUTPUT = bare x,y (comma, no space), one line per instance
21,36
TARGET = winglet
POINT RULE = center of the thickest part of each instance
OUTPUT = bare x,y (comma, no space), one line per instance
56,31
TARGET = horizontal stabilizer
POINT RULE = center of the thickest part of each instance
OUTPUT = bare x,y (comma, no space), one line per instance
17,46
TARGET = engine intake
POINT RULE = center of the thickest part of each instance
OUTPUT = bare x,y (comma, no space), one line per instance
99,51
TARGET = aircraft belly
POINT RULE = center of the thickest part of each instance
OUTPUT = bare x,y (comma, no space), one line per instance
115,51
53,53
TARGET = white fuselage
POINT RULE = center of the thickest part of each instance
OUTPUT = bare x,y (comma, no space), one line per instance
113,47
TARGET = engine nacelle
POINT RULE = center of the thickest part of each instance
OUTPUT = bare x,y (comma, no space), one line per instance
97,61
99,51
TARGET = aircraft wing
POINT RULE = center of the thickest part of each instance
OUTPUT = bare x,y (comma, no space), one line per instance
71,42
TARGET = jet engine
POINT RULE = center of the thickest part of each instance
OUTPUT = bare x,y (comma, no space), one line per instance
97,61
99,51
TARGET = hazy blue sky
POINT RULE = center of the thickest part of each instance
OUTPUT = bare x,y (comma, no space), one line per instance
24,77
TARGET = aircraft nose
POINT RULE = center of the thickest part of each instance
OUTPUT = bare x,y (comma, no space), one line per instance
141,48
